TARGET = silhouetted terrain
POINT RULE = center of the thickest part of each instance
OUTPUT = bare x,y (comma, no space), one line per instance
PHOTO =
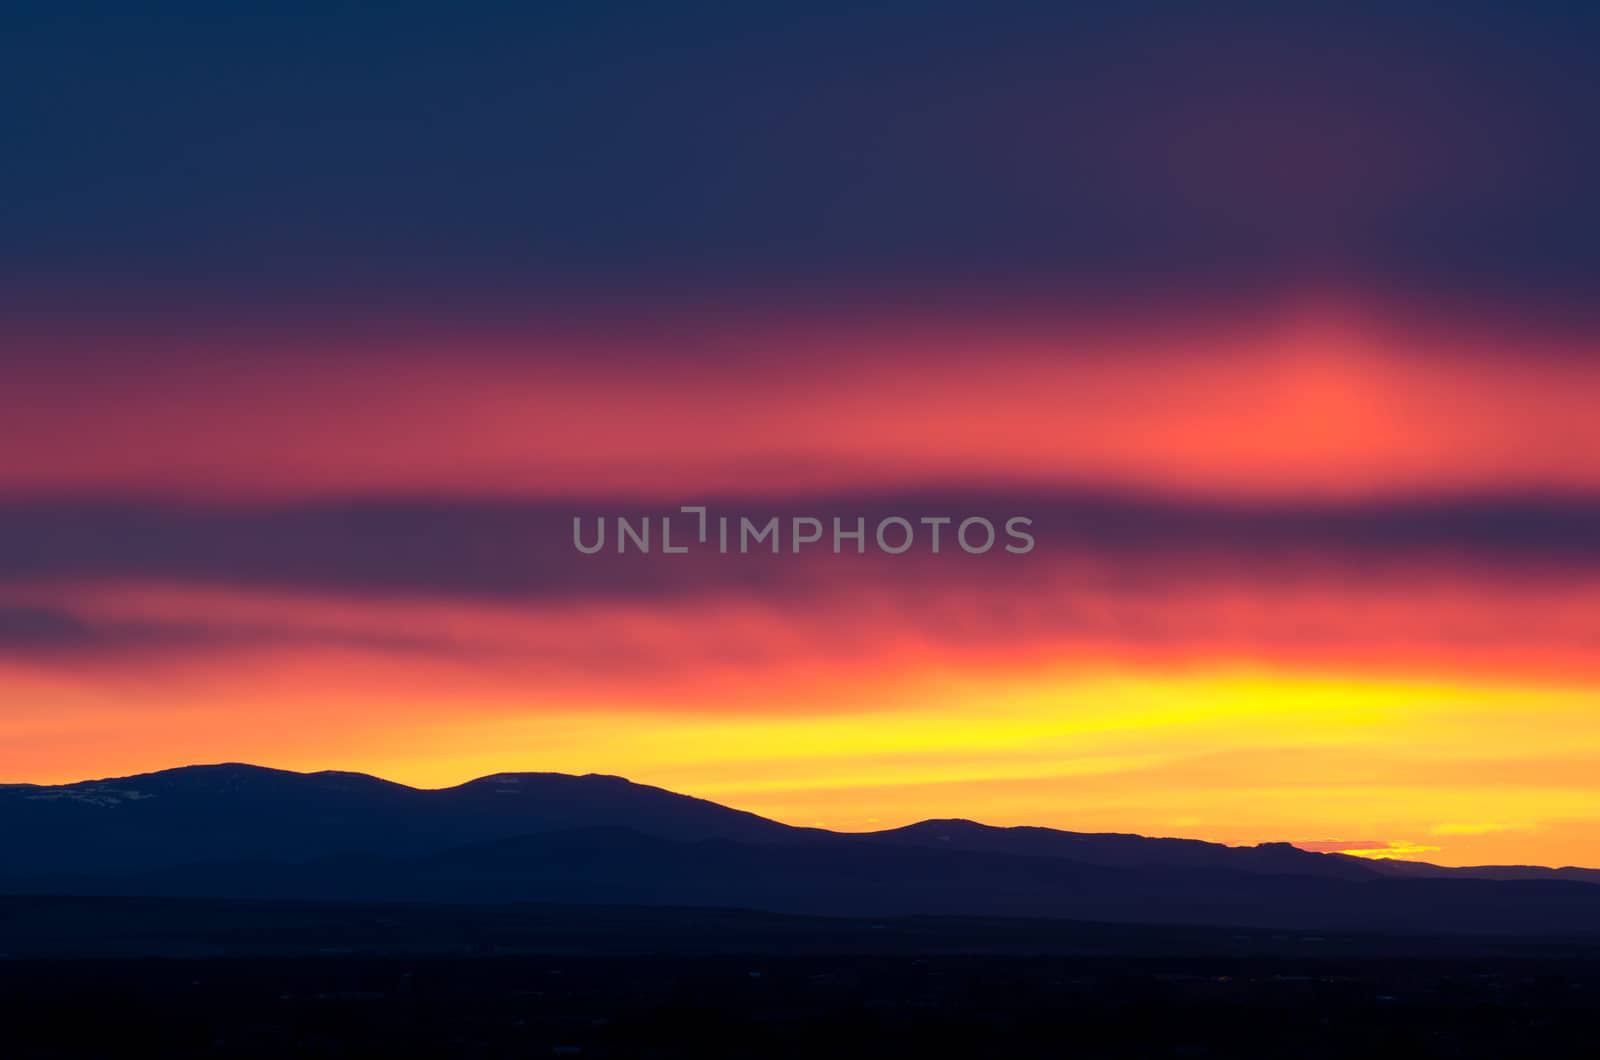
767,1006
240,912
247,813
246,832
41,927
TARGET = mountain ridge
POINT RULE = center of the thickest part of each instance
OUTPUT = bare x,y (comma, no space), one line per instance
718,820
237,831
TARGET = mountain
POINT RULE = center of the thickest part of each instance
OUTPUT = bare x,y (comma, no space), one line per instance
243,831
238,812
1122,850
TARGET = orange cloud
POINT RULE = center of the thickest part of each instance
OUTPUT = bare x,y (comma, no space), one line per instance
1343,397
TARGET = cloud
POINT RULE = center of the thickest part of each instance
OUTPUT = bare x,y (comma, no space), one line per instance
1368,848
508,549
1488,586
61,633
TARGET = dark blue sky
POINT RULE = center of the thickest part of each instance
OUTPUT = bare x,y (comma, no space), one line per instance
204,149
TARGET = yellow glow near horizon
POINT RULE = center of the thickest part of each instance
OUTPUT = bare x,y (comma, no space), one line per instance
1239,755
1394,766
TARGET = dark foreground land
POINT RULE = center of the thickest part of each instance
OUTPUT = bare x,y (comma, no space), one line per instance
322,980
765,1006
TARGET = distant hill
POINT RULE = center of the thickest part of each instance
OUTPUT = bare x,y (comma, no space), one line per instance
237,831
247,813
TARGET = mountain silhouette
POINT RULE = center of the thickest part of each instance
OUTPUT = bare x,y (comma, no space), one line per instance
231,831
236,812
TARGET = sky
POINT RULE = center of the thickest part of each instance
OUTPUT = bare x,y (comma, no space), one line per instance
320,325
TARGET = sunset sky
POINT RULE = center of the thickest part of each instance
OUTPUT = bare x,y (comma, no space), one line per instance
318,328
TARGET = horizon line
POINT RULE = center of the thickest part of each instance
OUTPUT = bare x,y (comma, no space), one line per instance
815,828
